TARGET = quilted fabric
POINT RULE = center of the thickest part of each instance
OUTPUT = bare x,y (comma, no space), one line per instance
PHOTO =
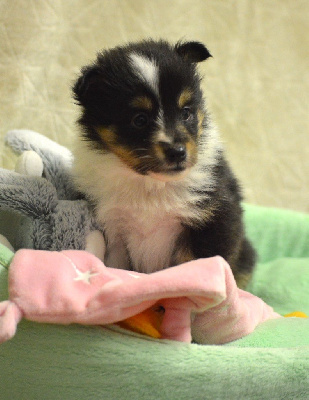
256,84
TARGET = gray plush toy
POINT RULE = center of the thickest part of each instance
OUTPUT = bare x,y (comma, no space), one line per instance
52,214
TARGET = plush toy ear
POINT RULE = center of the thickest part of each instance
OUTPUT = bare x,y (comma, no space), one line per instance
192,51
88,76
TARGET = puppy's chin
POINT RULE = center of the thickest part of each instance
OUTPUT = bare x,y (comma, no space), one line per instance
170,176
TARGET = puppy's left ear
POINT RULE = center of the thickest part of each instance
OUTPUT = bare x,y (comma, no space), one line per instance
85,81
192,51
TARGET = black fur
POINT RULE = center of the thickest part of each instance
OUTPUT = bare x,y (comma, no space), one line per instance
109,85
224,234
106,90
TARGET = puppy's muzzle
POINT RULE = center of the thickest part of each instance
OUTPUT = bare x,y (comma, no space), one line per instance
174,153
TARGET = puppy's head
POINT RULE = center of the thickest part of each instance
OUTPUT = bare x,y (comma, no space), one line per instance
143,103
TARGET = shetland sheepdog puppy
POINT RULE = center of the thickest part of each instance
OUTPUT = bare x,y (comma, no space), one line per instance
150,161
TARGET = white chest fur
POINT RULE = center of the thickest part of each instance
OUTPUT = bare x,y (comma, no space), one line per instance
141,218
141,215
144,239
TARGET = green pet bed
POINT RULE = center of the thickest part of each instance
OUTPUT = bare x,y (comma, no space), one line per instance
52,362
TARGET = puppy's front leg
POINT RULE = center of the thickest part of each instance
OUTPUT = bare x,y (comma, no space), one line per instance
215,238
116,255
95,244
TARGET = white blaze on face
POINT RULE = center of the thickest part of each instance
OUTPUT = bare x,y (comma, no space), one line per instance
147,70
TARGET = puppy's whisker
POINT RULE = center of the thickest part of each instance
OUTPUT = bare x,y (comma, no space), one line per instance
150,165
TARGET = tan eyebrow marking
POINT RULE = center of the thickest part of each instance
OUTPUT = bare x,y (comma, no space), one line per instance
143,102
184,98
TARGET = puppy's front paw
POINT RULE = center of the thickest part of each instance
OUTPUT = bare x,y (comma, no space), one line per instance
95,244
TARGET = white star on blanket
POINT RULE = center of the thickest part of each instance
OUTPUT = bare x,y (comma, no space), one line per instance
84,276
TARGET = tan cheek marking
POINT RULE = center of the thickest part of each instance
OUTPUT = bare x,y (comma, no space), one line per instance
142,102
159,152
109,138
126,156
184,98
107,135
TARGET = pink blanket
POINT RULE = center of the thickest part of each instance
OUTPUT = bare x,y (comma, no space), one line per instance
200,297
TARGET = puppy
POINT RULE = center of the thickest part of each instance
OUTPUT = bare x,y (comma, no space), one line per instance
150,161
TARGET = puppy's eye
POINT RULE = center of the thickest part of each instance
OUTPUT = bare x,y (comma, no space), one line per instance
186,114
140,120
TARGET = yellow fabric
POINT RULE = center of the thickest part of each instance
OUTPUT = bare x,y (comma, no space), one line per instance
147,322
297,314
256,84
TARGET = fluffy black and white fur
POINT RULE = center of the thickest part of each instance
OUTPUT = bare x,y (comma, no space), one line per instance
151,161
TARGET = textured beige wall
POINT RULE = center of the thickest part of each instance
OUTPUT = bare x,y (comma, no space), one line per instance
256,84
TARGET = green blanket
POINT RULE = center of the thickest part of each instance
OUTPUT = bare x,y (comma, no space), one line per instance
52,362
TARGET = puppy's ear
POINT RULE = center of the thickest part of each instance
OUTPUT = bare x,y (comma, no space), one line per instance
192,51
84,82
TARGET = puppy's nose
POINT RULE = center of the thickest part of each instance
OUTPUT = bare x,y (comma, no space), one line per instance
175,153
